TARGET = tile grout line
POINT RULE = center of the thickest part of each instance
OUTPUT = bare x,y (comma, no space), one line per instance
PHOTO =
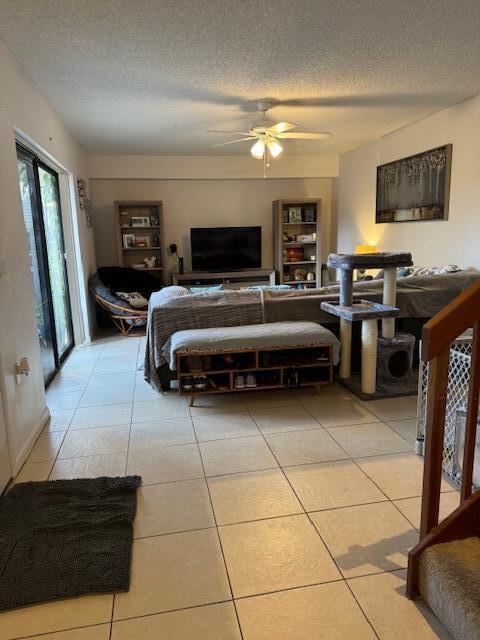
344,580
391,500
205,478
131,417
126,468
409,450
369,622
49,633
64,431
218,533
299,500
68,429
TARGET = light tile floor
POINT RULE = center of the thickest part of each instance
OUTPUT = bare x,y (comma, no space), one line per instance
262,515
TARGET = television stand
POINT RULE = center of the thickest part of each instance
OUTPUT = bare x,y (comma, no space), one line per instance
229,279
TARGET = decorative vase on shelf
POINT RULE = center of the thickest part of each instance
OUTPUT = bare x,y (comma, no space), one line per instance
150,263
300,274
295,254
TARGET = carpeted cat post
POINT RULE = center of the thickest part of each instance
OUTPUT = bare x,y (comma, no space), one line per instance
396,370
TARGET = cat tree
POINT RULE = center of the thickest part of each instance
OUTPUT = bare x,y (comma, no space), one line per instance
369,313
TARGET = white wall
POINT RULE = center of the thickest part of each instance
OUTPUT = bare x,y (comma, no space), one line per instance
201,203
242,166
455,240
23,107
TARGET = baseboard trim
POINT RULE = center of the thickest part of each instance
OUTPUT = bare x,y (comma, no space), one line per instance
24,452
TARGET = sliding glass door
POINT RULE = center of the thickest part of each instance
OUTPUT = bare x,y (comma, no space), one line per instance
40,195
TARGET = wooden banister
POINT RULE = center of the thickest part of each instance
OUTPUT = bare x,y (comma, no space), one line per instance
438,334
434,435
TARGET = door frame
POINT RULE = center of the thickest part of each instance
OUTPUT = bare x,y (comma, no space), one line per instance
37,163
5,463
79,300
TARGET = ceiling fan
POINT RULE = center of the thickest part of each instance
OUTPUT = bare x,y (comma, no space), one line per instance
267,134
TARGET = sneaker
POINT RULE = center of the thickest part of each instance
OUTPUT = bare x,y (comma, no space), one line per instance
239,382
200,383
251,381
187,384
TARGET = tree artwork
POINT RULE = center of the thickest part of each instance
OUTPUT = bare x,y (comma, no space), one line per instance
415,188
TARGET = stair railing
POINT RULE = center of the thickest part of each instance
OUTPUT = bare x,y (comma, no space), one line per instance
438,334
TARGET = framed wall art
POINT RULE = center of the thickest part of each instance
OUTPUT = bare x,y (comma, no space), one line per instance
415,188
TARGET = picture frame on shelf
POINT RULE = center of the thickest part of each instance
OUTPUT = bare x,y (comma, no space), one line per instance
305,237
128,240
294,214
309,214
142,241
140,221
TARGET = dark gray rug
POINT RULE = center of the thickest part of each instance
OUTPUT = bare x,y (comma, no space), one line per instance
65,538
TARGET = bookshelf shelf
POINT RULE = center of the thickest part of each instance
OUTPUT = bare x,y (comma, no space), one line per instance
297,242
150,212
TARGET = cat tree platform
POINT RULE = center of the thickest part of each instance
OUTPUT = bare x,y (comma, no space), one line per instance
361,310
365,311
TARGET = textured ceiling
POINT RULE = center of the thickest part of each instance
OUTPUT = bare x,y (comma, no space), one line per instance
153,76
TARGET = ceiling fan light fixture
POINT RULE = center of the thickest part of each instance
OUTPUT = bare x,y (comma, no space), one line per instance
258,149
275,148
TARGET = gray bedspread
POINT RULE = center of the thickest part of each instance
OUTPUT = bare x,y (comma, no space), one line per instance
175,309
417,297
169,313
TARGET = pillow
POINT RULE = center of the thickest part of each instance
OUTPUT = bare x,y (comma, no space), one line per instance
172,292
209,289
134,299
402,272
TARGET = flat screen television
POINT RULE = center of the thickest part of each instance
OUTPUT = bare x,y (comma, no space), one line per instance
226,248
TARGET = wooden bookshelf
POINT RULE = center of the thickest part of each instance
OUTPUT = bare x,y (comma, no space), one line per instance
292,219
126,211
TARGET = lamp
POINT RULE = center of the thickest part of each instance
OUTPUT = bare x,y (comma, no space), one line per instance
362,274
365,248
275,148
174,252
258,149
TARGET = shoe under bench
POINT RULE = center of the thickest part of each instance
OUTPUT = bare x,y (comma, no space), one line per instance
274,368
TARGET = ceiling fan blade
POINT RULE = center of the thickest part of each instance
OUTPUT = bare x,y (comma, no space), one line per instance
231,133
299,135
222,144
281,127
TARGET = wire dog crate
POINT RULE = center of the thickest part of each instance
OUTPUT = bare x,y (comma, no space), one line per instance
457,397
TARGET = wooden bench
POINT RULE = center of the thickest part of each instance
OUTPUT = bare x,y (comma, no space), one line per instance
296,354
